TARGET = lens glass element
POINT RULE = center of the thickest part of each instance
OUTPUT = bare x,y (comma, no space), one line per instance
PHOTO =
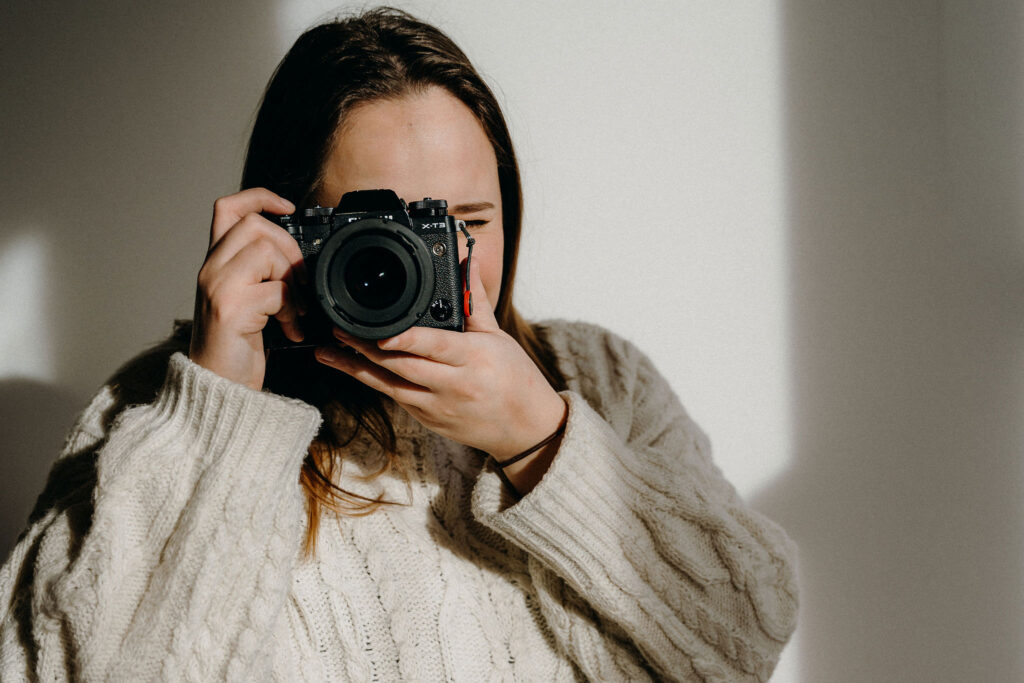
375,277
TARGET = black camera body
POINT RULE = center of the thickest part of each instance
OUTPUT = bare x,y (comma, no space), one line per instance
376,267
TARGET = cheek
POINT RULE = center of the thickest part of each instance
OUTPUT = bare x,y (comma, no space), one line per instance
487,258
490,273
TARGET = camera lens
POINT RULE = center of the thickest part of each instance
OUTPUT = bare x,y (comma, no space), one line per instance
375,278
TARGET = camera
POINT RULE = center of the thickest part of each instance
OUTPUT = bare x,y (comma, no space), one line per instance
376,267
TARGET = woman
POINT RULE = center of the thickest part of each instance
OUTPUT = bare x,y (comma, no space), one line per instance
353,514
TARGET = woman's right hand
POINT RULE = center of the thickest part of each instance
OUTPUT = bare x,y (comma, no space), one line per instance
249,276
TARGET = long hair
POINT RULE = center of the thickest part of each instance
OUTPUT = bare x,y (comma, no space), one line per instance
379,54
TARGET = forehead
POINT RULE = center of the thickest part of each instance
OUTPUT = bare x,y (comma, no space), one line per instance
425,144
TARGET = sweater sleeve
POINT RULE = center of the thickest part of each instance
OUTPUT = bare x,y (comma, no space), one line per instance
645,561
168,553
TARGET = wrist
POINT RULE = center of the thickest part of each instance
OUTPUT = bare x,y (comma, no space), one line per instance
238,363
522,471
532,449
547,416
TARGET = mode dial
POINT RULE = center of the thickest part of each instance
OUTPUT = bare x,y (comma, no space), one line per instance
429,207
318,214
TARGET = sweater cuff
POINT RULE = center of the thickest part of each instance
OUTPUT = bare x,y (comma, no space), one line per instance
580,512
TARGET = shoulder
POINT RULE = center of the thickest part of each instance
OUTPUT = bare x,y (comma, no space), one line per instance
138,381
606,369
73,475
621,384
589,348
584,341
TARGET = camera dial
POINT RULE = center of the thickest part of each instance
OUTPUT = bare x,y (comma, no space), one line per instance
427,207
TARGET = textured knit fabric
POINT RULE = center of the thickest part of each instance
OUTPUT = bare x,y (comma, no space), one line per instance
167,545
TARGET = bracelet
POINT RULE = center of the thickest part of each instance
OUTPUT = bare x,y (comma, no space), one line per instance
504,478
501,465
554,435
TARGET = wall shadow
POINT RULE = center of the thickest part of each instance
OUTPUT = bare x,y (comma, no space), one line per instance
905,166
36,416
122,122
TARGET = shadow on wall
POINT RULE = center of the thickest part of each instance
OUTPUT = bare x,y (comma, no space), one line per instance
36,416
122,122
906,169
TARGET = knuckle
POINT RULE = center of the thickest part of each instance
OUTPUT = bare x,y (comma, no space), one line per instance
220,310
467,392
280,294
205,278
264,248
429,420
251,223
222,302
448,413
263,245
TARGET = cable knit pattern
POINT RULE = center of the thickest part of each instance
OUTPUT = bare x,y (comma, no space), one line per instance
166,545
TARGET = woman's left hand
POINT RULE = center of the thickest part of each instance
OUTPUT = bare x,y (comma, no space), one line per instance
477,387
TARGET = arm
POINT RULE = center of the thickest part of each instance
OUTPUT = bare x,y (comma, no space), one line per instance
170,555
645,560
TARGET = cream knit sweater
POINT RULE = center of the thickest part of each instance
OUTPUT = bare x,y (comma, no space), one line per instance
167,546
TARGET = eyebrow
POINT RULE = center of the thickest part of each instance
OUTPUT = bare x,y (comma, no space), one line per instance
472,207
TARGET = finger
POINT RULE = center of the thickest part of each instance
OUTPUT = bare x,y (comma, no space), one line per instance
254,227
418,370
244,279
288,311
482,319
374,376
258,260
229,210
441,346
257,305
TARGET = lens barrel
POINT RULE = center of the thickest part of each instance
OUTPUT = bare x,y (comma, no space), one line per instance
374,278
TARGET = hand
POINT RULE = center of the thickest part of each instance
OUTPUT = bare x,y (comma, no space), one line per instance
248,276
476,387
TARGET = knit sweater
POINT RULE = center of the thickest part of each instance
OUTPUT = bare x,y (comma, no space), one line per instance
167,545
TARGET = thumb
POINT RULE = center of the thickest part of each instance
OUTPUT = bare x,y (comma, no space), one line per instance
482,317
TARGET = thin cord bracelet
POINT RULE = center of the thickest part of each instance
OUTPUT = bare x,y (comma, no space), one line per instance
501,465
554,435
508,483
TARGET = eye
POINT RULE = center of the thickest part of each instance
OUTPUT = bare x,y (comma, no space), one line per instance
476,224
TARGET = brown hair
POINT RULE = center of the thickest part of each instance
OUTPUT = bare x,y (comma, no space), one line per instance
382,53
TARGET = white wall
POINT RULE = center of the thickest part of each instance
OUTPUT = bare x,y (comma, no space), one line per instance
809,216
